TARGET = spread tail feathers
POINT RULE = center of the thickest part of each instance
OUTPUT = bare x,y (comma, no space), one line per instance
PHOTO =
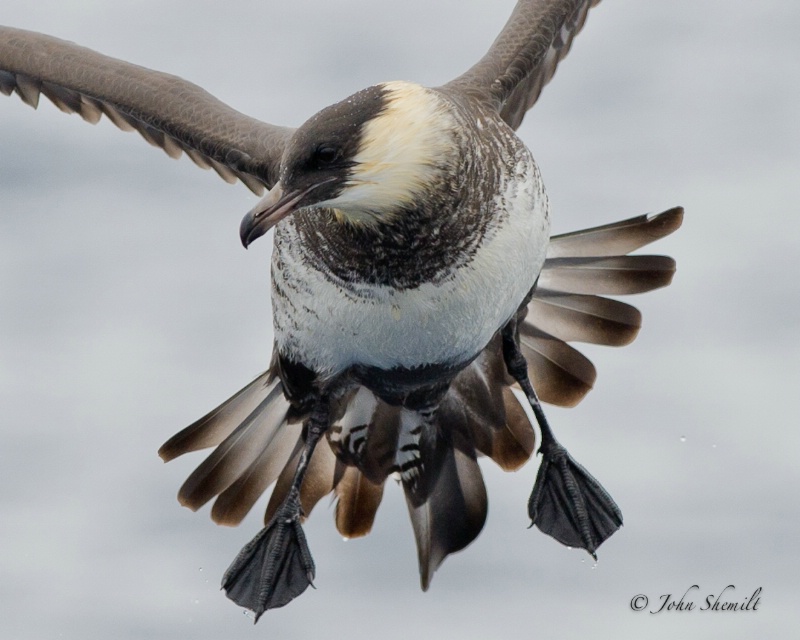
258,436
567,305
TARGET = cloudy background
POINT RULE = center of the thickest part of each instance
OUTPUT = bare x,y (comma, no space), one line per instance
128,309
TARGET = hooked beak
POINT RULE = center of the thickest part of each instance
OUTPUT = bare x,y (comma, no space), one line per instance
271,209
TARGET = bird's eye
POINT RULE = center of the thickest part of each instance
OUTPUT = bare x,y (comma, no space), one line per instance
325,155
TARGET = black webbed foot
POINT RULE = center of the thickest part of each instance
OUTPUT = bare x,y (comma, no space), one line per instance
568,504
274,567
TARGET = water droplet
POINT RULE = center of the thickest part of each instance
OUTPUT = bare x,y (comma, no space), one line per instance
713,446
196,601
683,438
201,569
594,566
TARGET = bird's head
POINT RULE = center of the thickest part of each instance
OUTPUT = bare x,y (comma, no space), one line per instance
367,158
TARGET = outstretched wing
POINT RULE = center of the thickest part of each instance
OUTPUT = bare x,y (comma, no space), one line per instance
167,111
524,56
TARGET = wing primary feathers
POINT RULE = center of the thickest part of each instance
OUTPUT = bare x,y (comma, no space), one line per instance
28,90
7,82
167,111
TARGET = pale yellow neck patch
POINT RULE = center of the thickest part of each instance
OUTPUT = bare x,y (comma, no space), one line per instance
401,152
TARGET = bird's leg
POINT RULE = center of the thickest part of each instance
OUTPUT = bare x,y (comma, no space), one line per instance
567,503
276,566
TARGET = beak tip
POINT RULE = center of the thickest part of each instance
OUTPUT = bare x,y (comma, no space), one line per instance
259,219
246,230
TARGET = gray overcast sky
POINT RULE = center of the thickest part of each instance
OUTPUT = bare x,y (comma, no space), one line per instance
128,309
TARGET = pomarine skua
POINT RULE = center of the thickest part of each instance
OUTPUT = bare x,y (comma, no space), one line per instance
415,286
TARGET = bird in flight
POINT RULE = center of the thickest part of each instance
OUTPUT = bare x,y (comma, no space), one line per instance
419,300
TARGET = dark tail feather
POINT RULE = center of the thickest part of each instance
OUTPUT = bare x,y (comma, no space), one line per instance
617,238
582,318
617,275
218,424
235,502
378,459
322,475
454,512
481,403
514,445
237,452
560,374
358,500
366,435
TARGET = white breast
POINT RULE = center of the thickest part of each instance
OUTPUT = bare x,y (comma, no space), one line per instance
329,327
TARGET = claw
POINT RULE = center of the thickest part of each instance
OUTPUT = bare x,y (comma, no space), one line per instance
568,504
273,568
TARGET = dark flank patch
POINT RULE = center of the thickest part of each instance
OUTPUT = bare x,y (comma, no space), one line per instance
299,383
415,387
